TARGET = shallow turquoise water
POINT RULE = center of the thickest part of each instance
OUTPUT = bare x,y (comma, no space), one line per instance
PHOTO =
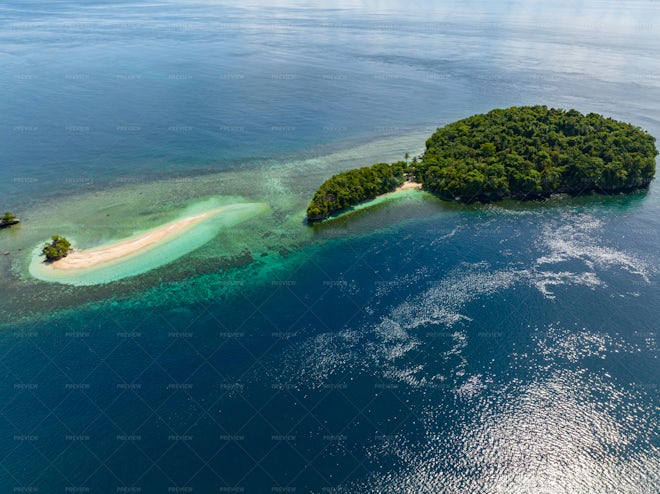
413,346
157,256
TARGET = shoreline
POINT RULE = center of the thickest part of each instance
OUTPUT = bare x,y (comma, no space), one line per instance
131,246
406,187
131,207
144,251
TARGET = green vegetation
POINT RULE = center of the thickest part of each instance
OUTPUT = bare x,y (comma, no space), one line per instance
521,152
57,249
354,186
533,151
8,219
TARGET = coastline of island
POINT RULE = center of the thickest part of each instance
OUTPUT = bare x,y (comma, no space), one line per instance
408,185
131,246
142,251
9,219
405,190
522,153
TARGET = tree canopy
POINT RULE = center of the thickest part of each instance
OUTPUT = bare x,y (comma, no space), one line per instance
57,249
531,151
8,216
8,219
522,152
354,186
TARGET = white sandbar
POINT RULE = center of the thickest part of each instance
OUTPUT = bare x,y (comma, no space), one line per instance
143,251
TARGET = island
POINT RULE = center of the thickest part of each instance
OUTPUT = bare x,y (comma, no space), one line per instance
58,248
128,247
524,152
8,219
142,251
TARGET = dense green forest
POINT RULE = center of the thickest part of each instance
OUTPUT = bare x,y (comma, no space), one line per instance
354,186
521,152
527,152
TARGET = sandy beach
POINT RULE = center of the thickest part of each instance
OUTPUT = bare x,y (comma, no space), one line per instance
399,191
81,259
409,185
146,250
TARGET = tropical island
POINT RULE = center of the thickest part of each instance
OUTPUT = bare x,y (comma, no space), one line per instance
525,152
58,248
142,251
8,219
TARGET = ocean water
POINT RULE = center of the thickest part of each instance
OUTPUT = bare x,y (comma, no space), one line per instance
412,346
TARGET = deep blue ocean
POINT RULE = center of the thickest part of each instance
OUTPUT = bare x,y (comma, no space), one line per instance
419,347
